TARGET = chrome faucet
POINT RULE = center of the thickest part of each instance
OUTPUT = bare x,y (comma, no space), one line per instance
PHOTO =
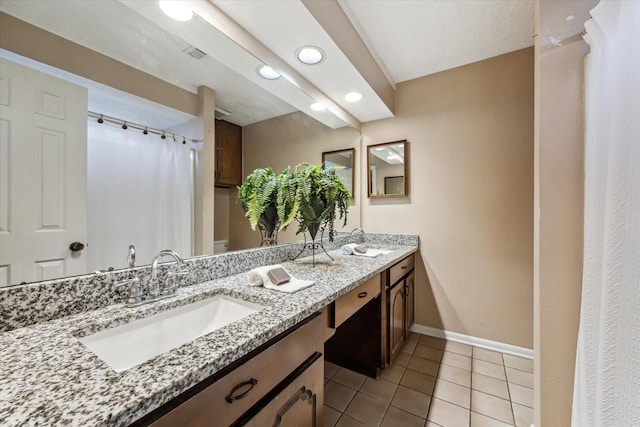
355,230
155,289
139,294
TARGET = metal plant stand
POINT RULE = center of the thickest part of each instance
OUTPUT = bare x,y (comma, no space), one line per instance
314,245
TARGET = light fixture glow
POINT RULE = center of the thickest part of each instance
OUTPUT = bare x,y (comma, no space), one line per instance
267,72
310,55
317,106
353,97
176,9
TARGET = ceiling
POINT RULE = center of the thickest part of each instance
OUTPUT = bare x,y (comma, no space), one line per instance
405,39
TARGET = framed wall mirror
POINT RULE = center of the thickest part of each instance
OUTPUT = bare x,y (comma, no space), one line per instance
345,159
388,166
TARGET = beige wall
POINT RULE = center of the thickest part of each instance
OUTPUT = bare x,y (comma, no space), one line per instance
470,132
286,141
559,188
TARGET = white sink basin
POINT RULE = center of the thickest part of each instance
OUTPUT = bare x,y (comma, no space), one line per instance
128,345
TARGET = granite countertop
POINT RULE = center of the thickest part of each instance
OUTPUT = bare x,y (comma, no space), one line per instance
48,377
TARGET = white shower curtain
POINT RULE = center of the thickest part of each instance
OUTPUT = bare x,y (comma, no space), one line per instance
607,380
138,192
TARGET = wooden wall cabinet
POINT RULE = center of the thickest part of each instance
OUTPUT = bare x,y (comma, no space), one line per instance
400,313
228,168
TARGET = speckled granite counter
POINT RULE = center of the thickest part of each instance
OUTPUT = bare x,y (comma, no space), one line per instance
48,377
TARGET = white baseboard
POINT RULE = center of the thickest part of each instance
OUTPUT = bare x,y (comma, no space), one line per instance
474,341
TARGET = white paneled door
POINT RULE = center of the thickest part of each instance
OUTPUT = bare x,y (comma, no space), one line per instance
43,174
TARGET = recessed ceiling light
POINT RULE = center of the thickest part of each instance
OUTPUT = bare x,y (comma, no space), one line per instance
267,72
353,97
176,9
317,106
310,55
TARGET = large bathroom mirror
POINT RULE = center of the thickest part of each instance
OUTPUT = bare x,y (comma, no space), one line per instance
388,166
240,95
344,160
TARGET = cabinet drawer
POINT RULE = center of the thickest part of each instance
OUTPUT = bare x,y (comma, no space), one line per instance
348,304
249,382
400,269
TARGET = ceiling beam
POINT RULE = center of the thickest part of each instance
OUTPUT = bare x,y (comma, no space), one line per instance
337,25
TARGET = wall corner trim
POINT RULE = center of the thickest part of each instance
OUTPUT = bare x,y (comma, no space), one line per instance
513,350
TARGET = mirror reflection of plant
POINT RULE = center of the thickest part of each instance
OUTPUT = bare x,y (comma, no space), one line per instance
313,196
257,193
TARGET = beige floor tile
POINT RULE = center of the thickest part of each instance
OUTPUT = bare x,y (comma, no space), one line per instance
519,377
459,348
432,424
453,393
338,396
379,389
457,360
330,369
479,420
349,378
447,414
521,395
489,385
455,375
523,415
331,416
411,401
396,417
423,365
427,352
489,369
409,347
392,373
431,341
518,362
413,337
418,381
491,406
347,421
488,355
366,409
402,359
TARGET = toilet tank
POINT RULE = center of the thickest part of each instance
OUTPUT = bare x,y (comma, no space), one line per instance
220,246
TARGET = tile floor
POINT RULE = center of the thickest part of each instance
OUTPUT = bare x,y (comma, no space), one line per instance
434,382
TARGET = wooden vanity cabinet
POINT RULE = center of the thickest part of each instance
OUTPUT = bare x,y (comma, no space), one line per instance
282,379
400,313
228,168
354,322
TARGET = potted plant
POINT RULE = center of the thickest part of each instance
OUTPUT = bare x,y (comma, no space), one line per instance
258,195
314,196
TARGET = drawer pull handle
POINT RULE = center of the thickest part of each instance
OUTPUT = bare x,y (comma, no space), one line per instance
230,398
404,267
362,294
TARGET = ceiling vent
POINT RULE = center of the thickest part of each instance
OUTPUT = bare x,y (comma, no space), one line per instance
220,113
194,52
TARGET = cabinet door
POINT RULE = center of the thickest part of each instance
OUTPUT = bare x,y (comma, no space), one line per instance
410,295
228,154
396,316
300,404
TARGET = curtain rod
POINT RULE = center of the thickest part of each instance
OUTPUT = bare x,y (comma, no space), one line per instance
145,129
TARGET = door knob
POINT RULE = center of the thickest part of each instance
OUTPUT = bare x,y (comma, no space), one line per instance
76,247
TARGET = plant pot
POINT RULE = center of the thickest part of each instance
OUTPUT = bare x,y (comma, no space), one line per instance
313,229
270,220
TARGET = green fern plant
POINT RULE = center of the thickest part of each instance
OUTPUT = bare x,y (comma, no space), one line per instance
258,193
313,196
